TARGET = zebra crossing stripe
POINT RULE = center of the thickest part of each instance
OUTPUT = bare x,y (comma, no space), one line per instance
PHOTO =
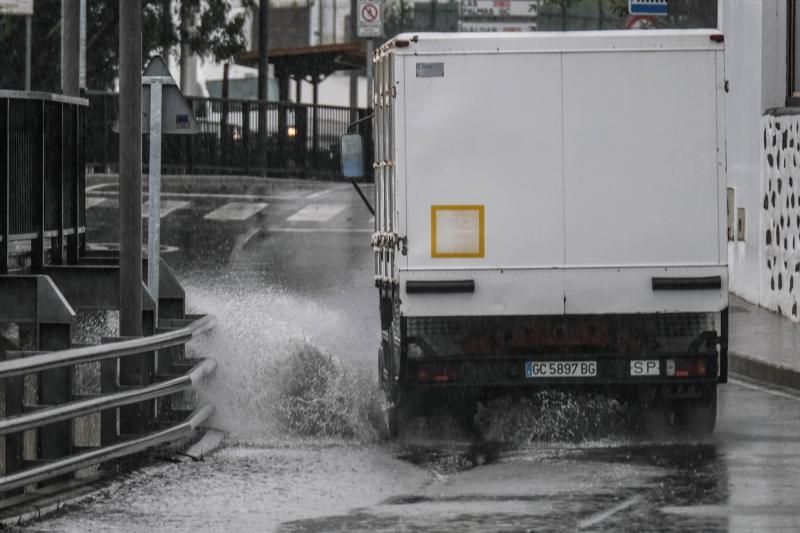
167,207
236,211
317,213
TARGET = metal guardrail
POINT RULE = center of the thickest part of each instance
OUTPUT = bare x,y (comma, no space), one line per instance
31,364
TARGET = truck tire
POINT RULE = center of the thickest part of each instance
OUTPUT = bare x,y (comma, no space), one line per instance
397,418
698,417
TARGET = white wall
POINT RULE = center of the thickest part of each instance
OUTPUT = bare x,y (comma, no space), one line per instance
741,22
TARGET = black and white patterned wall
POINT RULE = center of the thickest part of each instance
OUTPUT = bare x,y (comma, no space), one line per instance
780,215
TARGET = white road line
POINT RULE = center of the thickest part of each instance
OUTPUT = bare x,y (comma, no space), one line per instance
209,195
765,389
95,202
242,241
605,515
98,186
236,211
167,207
319,193
318,230
317,213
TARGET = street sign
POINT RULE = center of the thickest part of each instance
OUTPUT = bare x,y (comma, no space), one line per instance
658,8
16,7
499,8
370,18
497,26
177,117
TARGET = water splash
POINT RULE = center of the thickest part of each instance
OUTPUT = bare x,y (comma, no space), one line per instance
553,416
286,368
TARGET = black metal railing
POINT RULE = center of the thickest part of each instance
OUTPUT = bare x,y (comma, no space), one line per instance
300,140
42,177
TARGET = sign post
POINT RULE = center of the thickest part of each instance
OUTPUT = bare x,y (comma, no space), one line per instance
370,25
165,111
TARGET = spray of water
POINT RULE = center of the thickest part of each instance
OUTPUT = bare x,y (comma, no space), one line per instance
553,416
286,368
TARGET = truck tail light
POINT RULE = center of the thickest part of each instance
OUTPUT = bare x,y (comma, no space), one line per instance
686,368
435,375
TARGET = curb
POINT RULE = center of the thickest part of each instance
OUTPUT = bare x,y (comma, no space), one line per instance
759,370
209,444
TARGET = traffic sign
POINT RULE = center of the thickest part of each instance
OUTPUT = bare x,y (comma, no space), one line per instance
658,8
370,18
499,8
16,7
497,26
177,117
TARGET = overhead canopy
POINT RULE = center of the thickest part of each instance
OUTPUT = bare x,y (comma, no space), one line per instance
311,63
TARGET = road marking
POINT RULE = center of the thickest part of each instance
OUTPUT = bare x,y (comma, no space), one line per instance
765,389
167,207
605,515
209,195
242,241
317,213
235,211
98,186
95,202
318,230
326,191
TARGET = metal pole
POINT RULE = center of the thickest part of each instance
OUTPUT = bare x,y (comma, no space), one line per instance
130,167
370,51
353,73
70,47
154,196
263,80
82,56
28,37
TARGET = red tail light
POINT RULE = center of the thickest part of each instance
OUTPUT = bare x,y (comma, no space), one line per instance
686,368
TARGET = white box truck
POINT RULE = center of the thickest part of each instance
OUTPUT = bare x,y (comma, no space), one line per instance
550,211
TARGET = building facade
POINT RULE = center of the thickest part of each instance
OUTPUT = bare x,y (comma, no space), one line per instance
763,152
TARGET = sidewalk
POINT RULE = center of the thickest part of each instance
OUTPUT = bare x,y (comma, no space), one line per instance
763,345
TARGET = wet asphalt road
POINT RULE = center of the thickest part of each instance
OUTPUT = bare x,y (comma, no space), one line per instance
298,273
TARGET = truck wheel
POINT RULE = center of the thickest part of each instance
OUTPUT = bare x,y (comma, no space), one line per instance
698,417
382,366
397,417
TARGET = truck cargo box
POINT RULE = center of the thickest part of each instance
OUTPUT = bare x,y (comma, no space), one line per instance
552,173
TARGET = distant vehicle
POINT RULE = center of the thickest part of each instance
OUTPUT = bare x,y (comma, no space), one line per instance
551,213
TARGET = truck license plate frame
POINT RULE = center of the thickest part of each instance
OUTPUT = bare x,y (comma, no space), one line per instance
560,369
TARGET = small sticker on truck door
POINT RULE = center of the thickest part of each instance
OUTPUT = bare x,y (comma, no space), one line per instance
430,70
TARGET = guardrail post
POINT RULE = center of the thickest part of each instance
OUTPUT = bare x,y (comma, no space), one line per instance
55,388
108,385
137,371
14,443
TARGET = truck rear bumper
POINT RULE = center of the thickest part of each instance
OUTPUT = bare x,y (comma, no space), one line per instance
588,369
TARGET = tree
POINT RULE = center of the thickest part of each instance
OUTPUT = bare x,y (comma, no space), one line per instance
398,17
216,33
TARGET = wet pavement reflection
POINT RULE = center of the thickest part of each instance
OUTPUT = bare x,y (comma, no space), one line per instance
290,295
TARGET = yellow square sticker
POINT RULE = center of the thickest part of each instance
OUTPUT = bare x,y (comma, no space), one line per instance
457,231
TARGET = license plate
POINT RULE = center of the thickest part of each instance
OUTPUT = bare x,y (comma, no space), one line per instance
561,369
